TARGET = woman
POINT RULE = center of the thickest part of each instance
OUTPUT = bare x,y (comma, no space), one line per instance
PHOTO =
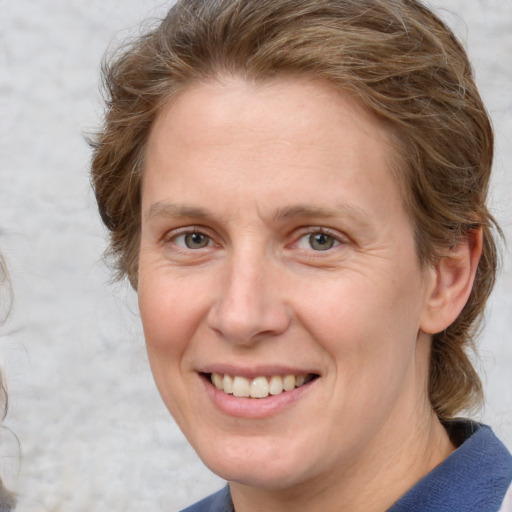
297,192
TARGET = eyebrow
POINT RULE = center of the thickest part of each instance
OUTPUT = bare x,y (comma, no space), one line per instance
172,210
175,211
308,211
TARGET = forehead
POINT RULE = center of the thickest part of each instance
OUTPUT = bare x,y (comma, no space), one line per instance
308,100
298,129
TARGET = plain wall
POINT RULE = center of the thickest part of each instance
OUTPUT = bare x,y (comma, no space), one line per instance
93,433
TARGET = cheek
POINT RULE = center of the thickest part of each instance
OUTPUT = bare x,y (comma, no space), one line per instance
169,323
172,309
356,304
161,313
367,323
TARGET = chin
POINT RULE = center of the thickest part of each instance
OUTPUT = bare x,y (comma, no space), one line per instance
262,477
257,464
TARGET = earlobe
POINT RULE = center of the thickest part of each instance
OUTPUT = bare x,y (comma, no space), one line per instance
452,282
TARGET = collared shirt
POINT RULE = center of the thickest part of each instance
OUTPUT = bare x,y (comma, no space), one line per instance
474,478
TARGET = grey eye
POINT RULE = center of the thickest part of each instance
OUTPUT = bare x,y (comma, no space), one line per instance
196,240
321,241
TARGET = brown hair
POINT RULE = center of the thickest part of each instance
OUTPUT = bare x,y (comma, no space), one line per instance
395,56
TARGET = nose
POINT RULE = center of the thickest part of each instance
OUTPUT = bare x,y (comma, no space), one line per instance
250,305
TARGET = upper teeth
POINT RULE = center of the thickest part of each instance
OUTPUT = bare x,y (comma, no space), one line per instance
260,387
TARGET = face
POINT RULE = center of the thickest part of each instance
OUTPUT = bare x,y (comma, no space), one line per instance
279,289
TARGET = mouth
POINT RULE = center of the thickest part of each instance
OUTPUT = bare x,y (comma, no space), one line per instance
258,387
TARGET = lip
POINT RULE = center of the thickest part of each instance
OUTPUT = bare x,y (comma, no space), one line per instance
254,408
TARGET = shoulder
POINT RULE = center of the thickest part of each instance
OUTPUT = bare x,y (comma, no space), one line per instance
217,502
475,477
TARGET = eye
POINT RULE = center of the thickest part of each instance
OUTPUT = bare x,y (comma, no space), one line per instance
318,241
194,240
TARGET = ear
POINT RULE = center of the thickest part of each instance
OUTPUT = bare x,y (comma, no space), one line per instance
452,282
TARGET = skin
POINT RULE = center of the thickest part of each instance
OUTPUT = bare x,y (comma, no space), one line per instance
256,169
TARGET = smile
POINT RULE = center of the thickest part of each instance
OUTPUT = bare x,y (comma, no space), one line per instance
259,387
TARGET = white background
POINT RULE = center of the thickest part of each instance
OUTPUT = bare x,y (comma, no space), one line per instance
93,434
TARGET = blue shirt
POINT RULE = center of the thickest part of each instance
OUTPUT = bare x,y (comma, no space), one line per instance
474,478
